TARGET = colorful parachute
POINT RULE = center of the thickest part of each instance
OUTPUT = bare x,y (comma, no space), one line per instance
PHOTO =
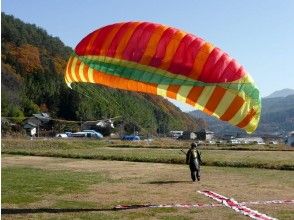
160,60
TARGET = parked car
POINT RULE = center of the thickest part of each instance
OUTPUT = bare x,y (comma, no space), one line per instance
93,134
61,135
131,138
87,134
211,142
233,142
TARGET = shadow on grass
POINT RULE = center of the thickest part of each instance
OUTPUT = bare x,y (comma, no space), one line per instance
15,211
167,182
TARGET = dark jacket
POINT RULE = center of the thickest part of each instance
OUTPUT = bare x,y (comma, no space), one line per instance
191,157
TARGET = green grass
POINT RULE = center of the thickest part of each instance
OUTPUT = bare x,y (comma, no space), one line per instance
105,150
72,204
49,184
22,185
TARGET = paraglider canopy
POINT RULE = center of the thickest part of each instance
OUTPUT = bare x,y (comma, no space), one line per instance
161,60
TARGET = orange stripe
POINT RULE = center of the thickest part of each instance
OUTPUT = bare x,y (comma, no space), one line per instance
194,95
171,49
69,69
233,108
132,85
172,91
85,72
214,100
78,63
108,40
141,87
150,88
247,119
97,78
200,60
152,45
125,39
121,83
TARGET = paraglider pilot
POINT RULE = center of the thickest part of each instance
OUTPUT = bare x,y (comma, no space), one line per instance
193,158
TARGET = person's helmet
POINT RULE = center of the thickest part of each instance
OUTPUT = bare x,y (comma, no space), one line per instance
193,145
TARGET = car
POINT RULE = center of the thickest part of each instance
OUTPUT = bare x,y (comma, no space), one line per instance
93,134
211,142
61,135
131,138
87,134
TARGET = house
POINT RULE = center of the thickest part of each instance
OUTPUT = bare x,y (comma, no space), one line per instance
33,124
187,135
290,139
204,135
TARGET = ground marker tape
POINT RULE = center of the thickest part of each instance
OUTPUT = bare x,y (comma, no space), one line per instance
166,206
268,202
199,205
238,207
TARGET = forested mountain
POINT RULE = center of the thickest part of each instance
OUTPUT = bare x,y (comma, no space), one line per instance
32,71
277,116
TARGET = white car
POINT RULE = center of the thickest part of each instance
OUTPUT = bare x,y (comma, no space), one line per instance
61,135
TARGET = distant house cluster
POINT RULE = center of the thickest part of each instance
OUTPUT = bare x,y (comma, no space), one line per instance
209,137
202,135
41,124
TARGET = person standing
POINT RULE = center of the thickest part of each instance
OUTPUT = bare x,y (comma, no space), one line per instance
193,158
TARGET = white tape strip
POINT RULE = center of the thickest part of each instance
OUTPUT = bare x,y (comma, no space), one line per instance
199,205
238,207
268,202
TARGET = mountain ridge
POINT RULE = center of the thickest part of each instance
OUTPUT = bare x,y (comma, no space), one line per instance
281,93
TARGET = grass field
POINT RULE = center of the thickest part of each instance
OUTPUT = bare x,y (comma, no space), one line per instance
254,157
54,187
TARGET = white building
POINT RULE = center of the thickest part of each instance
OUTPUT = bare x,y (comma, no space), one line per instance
176,134
290,139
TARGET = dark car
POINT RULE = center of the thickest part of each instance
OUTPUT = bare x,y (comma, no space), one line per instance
131,138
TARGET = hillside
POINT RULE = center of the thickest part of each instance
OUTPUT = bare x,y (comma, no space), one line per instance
32,70
277,117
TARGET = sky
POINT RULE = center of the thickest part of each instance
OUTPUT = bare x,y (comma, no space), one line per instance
259,34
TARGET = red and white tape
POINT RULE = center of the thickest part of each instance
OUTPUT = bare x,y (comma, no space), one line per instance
268,202
166,206
200,205
238,207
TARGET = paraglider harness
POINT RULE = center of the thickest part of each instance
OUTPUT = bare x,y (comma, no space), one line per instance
188,155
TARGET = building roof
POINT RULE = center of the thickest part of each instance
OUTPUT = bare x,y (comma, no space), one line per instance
29,125
202,130
44,117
